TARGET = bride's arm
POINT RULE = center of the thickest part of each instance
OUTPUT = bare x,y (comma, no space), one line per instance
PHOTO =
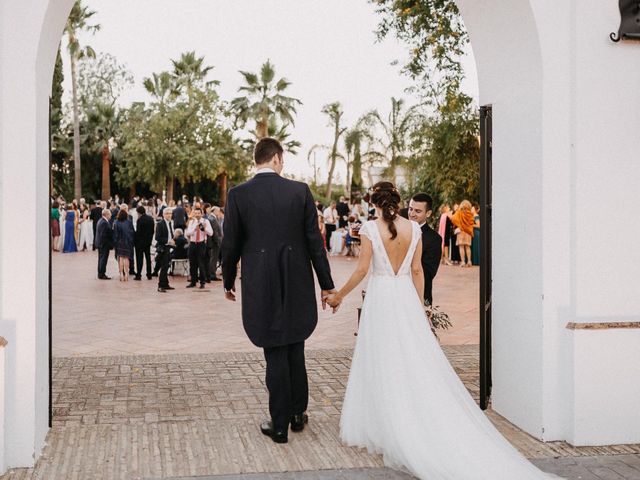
417,275
362,268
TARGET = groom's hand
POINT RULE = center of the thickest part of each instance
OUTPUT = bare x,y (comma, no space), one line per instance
325,295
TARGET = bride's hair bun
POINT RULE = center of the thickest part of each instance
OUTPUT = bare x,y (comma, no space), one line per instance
385,196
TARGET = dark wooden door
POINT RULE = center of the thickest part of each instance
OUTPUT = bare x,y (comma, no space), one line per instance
485,255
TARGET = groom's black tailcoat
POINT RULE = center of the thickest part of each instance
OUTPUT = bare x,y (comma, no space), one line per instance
271,223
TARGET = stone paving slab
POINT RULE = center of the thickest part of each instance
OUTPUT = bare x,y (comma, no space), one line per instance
163,416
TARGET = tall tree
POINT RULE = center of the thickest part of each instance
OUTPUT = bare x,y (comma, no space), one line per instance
396,129
436,35
103,130
161,86
78,21
280,133
189,72
335,113
263,98
101,82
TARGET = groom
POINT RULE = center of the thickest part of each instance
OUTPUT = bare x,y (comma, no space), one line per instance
271,224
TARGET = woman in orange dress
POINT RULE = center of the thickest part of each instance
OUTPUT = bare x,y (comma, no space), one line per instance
464,222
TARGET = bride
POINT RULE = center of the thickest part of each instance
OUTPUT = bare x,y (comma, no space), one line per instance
403,398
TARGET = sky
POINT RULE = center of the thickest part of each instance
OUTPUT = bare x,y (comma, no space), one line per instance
326,48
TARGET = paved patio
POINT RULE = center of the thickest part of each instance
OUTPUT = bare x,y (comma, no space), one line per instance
188,415
150,386
93,317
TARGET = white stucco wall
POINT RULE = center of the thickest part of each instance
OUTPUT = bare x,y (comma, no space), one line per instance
505,44
565,118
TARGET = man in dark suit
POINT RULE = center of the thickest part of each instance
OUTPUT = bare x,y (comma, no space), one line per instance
143,238
343,212
104,242
164,242
271,223
179,217
420,209
95,215
213,245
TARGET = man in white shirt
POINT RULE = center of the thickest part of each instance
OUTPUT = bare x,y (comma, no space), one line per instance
330,219
197,232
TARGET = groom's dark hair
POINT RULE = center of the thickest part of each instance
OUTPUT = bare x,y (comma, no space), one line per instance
265,149
423,198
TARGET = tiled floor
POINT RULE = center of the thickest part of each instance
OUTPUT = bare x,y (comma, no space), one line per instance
93,317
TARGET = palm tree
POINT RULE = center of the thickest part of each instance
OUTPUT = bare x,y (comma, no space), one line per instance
353,146
161,86
280,133
334,112
78,21
103,128
396,130
189,72
263,100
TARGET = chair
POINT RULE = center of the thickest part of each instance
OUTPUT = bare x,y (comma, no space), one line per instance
182,266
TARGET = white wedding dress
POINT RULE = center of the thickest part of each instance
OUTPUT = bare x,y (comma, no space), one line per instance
404,399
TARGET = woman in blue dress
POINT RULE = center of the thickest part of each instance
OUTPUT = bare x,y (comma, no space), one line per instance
70,232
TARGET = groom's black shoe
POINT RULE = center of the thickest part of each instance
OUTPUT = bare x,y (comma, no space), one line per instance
278,436
299,421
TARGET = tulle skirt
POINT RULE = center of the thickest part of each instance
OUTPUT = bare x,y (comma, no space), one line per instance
404,399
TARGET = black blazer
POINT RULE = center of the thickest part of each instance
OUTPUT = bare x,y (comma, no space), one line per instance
144,231
95,215
431,254
162,235
104,235
179,217
271,223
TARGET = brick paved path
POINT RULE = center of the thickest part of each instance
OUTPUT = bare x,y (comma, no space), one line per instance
163,416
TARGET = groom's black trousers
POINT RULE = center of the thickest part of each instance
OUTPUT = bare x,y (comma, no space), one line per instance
287,383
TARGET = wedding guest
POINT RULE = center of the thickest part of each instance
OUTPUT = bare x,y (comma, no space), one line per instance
104,243
342,209
180,251
420,209
164,244
143,239
322,228
475,242
125,207
454,252
86,229
445,227
179,216
95,215
197,232
123,236
330,221
213,245
463,220
55,226
70,225
219,214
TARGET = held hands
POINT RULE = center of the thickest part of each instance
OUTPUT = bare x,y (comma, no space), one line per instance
332,298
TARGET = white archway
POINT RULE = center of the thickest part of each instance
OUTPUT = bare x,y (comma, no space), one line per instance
533,68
